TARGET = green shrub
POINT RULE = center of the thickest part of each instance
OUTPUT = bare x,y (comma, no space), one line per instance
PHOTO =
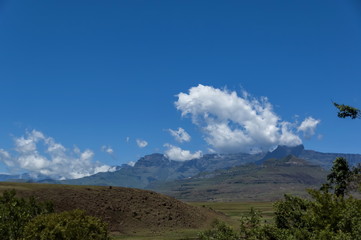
326,216
219,231
16,212
71,225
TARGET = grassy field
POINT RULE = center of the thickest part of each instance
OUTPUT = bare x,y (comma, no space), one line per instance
237,209
186,234
234,210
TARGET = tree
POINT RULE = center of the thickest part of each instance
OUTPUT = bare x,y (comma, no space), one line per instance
340,176
352,112
17,212
345,111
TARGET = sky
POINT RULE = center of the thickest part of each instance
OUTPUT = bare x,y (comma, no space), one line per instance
89,85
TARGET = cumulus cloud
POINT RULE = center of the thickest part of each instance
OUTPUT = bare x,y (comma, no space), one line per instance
107,149
39,154
180,135
177,154
142,143
308,127
233,123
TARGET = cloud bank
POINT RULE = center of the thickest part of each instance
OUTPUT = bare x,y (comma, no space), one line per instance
55,161
177,154
233,123
180,135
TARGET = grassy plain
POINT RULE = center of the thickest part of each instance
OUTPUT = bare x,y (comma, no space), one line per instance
234,210
186,234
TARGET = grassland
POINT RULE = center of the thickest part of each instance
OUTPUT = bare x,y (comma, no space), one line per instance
233,210
185,234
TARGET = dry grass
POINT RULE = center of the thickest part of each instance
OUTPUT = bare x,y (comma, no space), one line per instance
126,210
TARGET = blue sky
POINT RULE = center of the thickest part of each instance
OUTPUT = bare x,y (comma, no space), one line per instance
96,76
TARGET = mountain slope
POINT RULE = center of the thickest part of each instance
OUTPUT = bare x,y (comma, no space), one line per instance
251,182
157,167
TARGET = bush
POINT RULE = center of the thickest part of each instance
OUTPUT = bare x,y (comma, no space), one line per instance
16,212
220,231
71,225
325,217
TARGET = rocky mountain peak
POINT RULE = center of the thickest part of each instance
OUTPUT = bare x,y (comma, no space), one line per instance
155,159
282,151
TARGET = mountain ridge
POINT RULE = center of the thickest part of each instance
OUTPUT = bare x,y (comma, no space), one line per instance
157,168
267,181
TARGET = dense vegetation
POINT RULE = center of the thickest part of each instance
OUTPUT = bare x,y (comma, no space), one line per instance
15,213
68,225
27,219
329,213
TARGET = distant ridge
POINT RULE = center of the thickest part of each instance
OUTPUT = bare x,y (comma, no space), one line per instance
322,159
157,168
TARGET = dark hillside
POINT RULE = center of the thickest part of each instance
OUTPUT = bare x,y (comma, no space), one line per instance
125,209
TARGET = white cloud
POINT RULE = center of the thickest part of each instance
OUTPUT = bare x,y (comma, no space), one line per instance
55,160
180,135
233,123
142,143
178,154
107,149
308,127
127,139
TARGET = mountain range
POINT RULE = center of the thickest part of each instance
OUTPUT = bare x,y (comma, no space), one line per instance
267,181
24,177
159,173
158,168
